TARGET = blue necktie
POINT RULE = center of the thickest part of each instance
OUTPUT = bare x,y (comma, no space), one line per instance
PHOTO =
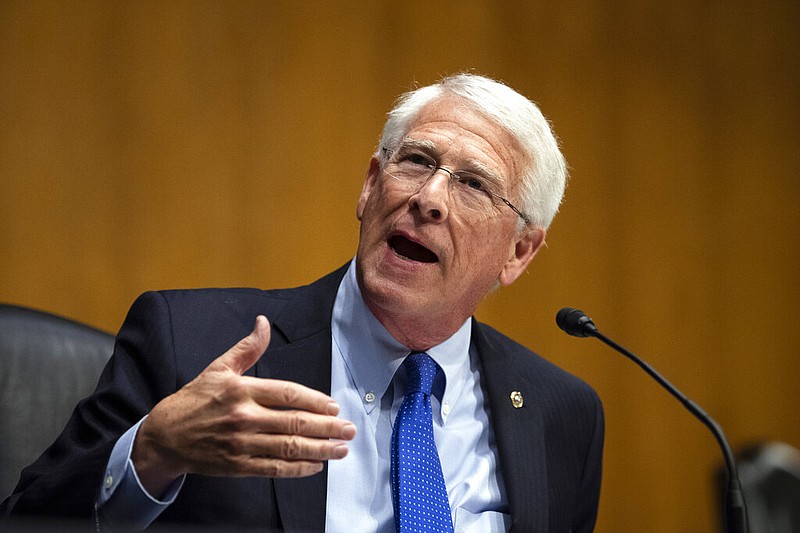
418,490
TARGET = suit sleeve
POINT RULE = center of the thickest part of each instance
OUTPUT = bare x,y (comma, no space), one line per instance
67,477
589,493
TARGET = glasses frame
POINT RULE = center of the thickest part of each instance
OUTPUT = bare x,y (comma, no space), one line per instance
453,175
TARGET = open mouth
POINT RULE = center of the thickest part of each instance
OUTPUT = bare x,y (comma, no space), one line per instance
411,250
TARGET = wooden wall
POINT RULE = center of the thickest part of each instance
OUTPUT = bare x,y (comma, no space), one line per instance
148,145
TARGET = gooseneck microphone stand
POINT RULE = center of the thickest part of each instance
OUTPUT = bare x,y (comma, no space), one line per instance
576,323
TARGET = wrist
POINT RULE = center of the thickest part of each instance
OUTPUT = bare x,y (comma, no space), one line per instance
154,471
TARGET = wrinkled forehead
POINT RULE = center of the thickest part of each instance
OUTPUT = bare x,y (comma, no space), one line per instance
451,122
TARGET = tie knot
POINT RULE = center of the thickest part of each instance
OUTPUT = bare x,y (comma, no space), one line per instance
421,370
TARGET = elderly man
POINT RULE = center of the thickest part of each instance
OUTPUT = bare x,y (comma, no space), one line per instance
369,400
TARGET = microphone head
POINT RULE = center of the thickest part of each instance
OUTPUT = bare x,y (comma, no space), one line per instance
575,322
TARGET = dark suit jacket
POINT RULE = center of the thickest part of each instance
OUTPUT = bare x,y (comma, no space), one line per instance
550,449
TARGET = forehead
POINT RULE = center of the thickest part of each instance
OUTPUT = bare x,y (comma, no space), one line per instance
460,134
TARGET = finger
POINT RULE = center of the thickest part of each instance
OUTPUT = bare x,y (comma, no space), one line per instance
291,447
280,468
247,351
261,466
302,423
279,393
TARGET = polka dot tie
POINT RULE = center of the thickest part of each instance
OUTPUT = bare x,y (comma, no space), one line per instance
418,490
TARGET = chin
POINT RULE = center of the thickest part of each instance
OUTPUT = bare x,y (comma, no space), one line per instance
387,294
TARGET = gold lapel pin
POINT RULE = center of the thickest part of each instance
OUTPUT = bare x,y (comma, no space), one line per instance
516,399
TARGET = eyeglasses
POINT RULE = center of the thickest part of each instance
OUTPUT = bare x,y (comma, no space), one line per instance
412,168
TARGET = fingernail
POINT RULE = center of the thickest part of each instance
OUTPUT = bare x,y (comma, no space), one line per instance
340,451
333,408
348,431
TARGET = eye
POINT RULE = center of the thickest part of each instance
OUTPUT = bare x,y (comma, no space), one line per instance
417,159
472,181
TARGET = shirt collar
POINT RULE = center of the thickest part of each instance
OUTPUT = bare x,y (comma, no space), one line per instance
372,356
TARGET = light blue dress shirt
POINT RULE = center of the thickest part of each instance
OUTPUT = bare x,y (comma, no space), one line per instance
369,389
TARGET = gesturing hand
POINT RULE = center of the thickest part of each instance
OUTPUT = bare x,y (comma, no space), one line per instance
225,424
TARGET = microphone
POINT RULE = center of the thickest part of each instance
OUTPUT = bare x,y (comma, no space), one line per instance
575,322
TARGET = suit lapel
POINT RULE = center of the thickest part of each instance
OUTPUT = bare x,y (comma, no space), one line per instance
519,436
300,351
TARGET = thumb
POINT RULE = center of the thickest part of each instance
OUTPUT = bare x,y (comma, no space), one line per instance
247,351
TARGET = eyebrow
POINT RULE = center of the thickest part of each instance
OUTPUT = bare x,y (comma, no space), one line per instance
483,170
428,146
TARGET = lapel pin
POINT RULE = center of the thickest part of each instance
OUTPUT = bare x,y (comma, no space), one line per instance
516,399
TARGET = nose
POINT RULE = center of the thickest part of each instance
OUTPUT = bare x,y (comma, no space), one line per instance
432,200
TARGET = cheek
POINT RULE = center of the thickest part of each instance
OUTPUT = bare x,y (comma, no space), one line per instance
482,249
368,203
381,202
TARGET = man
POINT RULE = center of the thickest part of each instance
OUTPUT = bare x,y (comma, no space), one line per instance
189,425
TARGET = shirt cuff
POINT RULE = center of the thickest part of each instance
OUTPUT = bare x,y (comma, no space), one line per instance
123,501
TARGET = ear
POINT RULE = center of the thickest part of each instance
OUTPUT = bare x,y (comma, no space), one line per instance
369,184
525,247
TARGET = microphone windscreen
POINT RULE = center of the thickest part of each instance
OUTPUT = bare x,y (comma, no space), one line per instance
574,322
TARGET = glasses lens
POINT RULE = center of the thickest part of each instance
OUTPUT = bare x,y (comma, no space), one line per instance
472,191
411,169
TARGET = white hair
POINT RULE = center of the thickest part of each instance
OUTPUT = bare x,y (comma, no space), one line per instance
544,169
